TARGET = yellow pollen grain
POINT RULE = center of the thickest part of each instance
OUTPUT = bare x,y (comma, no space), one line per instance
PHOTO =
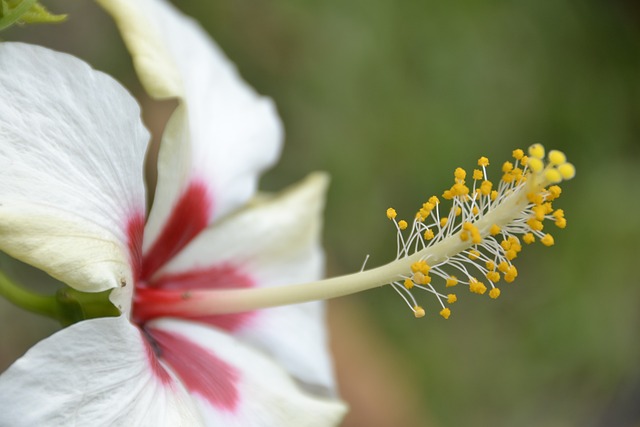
408,283
490,265
483,161
451,281
402,224
494,230
485,188
443,221
517,154
494,195
391,213
451,298
428,234
503,266
460,174
434,200
507,167
464,235
494,293
474,254
561,223
529,238
554,192
445,312
477,287
478,174
547,240
493,276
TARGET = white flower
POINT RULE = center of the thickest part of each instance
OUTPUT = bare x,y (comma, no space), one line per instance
72,203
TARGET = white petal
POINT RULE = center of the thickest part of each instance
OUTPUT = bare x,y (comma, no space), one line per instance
94,373
71,155
224,135
274,242
257,391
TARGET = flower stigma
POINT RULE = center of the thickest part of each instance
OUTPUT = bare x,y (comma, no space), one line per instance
472,243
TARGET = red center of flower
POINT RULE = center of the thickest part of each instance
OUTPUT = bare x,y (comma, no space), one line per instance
201,371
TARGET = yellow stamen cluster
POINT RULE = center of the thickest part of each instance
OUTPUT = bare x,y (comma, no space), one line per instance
476,240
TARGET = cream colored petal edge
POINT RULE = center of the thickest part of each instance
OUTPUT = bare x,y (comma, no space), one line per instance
94,373
71,157
224,136
276,241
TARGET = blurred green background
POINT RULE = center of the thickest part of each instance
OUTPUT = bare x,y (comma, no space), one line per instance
390,97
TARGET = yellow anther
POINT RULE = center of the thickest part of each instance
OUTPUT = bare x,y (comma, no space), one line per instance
557,157
408,283
474,254
420,266
539,212
460,174
434,200
494,230
535,164
459,189
494,293
567,170
451,281
402,224
485,187
483,161
420,278
428,234
553,176
464,235
509,277
548,207
443,221
478,174
391,213
475,210
524,161
547,240
529,238
445,312
535,224
506,245
517,154
503,266
561,223
494,195
493,276
558,213
447,195
535,198
467,226
512,270
476,237
511,254
451,298
490,265
508,177
418,311
554,192
537,151
458,211
507,167
477,287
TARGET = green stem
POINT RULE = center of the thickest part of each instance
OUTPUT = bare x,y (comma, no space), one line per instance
35,303
15,14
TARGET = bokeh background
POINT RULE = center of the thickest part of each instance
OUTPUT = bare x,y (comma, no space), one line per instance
391,96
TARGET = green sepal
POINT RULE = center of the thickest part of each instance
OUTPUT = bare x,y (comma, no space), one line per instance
25,12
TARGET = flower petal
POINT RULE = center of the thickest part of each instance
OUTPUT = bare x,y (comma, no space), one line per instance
276,241
72,195
98,372
221,137
244,387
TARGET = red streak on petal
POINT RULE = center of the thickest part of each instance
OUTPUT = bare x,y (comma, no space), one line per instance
201,371
152,302
135,231
154,364
189,217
